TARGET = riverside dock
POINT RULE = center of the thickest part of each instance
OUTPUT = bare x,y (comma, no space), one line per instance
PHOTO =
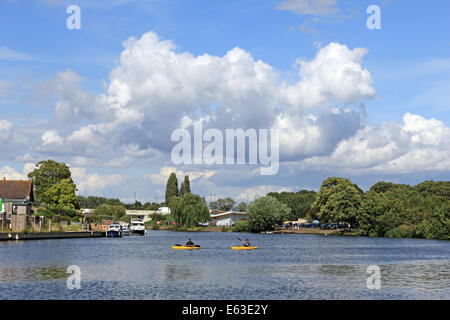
50,235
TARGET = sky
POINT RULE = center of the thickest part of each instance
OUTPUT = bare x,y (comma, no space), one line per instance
347,101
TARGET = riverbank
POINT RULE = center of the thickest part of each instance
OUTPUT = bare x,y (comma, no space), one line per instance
281,231
316,231
50,235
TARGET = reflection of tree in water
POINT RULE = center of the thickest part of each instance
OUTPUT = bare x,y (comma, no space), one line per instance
174,273
32,273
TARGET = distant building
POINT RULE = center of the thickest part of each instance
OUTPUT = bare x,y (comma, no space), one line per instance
227,219
164,211
87,211
141,214
18,198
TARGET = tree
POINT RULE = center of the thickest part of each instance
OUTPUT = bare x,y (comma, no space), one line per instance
92,202
171,187
185,186
222,204
299,202
189,210
241,226
265,213
62,195
242,207
46,174
338,201
108,210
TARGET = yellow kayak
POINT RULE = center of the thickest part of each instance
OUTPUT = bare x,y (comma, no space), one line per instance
185,248
244,248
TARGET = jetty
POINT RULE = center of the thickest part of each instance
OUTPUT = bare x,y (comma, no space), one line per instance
13,236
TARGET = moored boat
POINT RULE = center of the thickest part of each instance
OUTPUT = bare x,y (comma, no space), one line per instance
125,231
114,230
137,226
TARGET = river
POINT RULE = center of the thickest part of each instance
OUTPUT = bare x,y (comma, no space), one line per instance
295,266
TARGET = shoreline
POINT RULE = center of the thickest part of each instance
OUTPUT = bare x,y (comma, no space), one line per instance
337,232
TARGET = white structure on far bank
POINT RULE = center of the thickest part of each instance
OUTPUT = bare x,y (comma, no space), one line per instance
228,219
163,211
144,215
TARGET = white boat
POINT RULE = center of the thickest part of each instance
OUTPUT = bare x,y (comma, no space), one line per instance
125,231
114,230
137,226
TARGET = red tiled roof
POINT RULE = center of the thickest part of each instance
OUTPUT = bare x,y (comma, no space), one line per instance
217,211
16,189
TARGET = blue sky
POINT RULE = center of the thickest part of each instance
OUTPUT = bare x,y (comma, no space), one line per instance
43,64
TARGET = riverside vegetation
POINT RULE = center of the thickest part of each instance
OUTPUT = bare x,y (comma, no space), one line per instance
385,210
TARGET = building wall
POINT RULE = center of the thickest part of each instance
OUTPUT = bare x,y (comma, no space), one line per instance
228,221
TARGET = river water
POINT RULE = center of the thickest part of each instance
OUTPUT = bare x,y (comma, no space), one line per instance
284,267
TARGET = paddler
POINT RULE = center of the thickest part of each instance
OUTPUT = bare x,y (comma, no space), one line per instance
246,243
189,243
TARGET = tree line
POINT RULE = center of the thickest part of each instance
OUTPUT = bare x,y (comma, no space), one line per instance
385,210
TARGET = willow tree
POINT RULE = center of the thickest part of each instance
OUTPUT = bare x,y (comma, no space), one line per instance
185,186
189,210
171,187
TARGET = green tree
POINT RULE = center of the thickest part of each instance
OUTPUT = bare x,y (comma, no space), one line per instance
92,202
242,207
338,201
62,195
265,213
222,204
379,212
45,175
299,202
107,210
185,186
241,226
189,210
171,187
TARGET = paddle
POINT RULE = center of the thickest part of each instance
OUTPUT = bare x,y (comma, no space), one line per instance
245,245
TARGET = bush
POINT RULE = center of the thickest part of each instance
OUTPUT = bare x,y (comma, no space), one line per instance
266,212
403,231
172,227
241,226
225,229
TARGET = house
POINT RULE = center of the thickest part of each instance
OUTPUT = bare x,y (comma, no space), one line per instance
227,219
17,200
